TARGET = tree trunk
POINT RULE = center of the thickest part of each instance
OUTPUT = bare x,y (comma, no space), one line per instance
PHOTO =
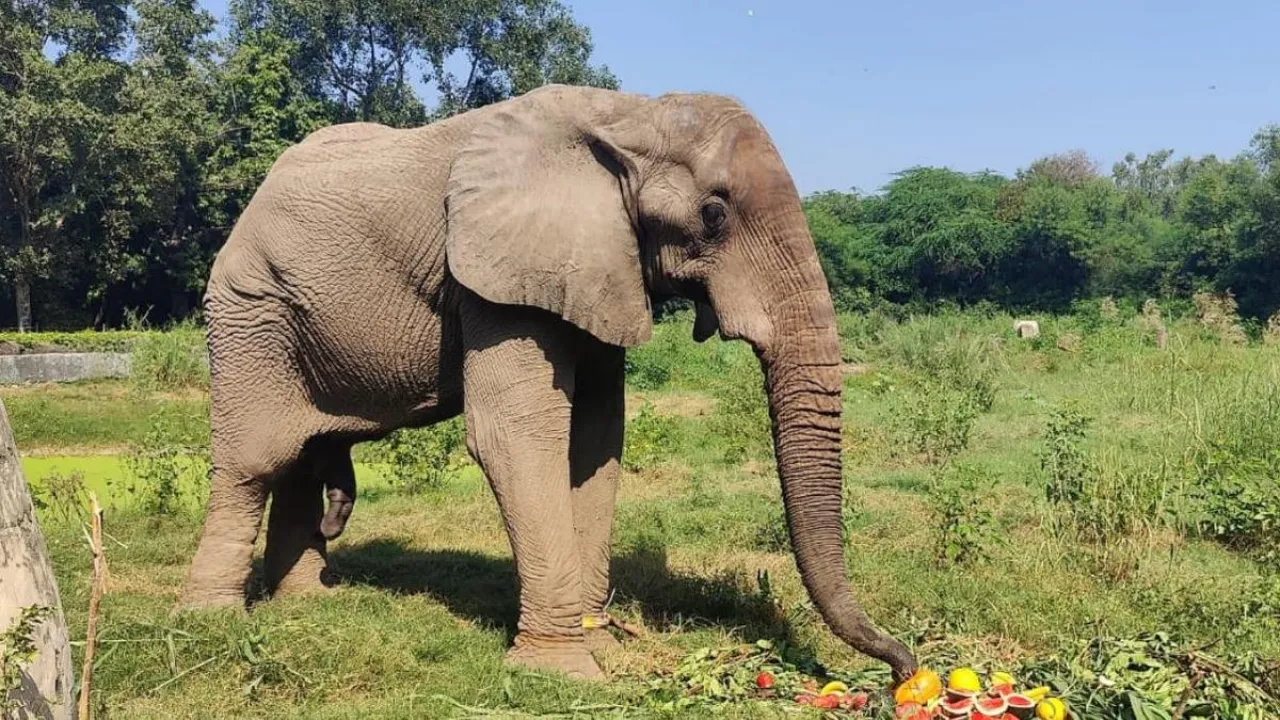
26,579
22,294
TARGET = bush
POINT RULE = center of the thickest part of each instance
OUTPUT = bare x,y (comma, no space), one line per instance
63,494
1062,459
936,418
167,468
422,459
1234,465
649,438
1111,501
959,501
82,341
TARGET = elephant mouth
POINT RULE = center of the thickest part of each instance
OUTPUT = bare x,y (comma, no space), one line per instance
705,323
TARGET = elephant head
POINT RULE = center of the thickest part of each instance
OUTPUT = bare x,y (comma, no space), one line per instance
588,203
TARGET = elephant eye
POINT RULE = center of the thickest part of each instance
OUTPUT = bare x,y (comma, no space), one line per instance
712,219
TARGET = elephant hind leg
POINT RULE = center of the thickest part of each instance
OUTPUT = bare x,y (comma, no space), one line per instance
237,497
295,560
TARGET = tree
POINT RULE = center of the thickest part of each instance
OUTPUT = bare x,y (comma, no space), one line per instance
29,595
361,57
1071,169
52,123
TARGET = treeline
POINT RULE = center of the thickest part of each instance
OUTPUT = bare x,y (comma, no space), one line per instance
133,132
1061,231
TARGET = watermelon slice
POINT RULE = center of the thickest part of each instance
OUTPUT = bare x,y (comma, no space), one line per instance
1021,706
956,708
992,707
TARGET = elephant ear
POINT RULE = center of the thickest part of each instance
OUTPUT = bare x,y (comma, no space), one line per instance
539,213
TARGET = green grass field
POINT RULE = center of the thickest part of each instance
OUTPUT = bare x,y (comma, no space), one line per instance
1038,506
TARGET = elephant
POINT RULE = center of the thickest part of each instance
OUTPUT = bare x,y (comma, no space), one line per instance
497,265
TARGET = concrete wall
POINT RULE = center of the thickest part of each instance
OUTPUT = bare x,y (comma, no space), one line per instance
62,367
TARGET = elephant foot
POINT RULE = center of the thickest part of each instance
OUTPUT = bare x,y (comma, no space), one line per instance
209,600
307,575
295,584
572,658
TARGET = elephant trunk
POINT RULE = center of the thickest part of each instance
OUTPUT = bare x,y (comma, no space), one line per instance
803,382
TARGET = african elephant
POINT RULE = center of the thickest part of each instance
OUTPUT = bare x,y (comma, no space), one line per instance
498,264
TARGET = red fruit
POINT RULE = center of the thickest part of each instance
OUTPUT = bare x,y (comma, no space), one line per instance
826,702
764,680
1001,690
1021,706
858,701
956,708
992,707
910,711
803,699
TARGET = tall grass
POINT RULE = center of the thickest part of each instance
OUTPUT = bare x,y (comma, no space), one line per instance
171,360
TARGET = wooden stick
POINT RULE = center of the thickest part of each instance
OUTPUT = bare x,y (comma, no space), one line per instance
95,598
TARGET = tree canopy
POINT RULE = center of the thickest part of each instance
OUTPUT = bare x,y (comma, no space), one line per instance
1060,231
132,134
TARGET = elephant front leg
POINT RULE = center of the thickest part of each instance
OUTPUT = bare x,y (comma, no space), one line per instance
518,375
595,454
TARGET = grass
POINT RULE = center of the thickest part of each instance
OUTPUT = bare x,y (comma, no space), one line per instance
963,553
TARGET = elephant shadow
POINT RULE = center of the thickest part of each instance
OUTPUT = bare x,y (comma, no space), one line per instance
483,588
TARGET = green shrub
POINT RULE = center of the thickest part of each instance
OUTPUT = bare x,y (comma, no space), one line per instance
82,341
64,495
1235,464
936,419
1111,500
1062,459
959,501
167,471
422,459
649,438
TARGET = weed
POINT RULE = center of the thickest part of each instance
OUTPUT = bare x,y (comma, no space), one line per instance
18,648
170,360
1062,458
1217,313
1234,465
64,494
166,466
422,459
1271,332
959,501
936,418
649,439
773,535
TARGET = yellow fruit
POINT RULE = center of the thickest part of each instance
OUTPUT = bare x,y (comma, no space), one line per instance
1001,678
1051,709
834,687
920,688
1037,694
964,680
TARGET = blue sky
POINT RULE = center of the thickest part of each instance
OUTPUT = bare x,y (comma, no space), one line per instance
854,91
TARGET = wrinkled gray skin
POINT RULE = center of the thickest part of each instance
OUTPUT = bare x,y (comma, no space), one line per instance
498,264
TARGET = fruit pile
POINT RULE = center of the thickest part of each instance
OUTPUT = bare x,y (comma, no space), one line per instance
922,697
833,695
